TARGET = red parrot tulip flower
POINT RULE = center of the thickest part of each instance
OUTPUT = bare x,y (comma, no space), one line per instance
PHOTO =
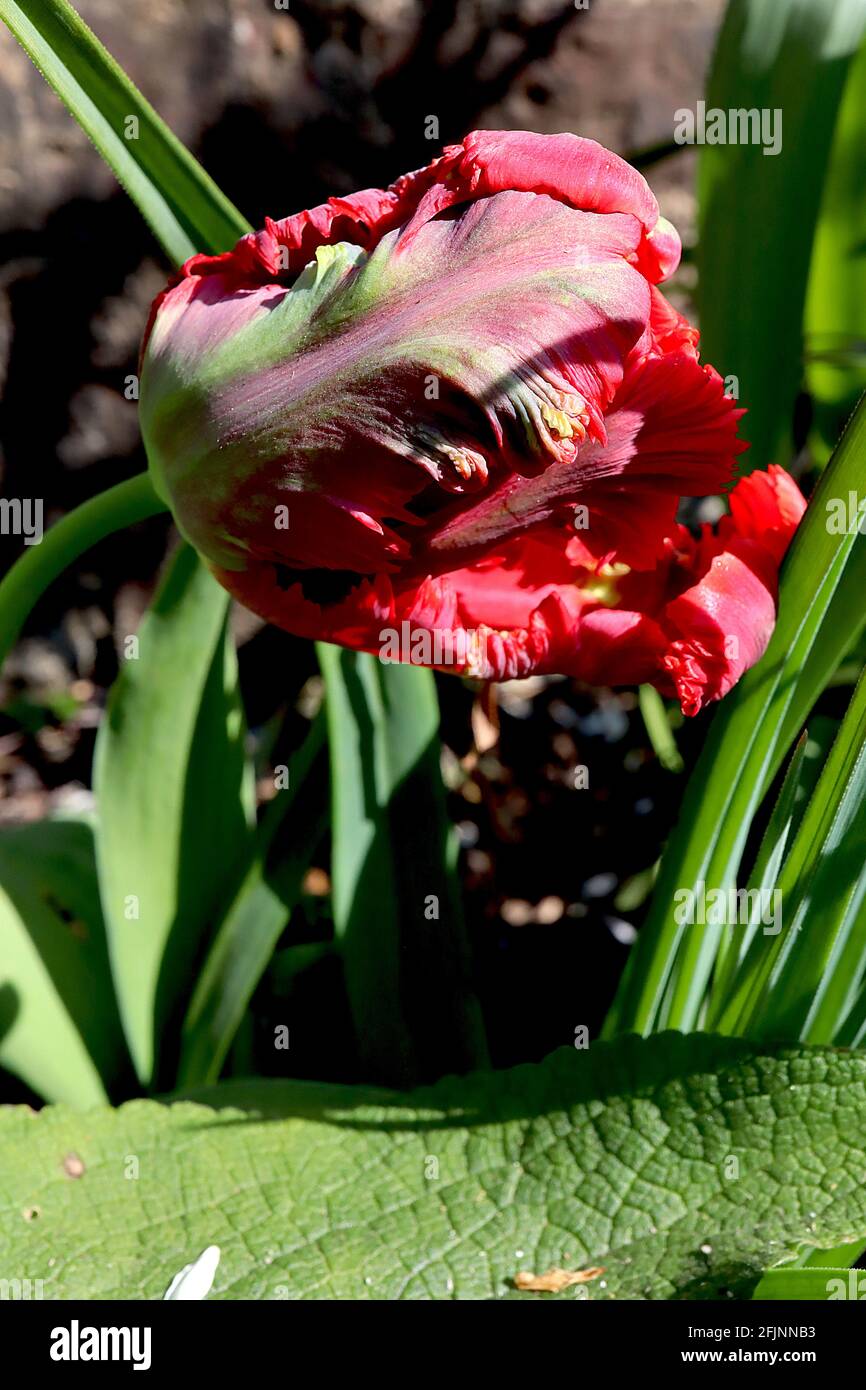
450,422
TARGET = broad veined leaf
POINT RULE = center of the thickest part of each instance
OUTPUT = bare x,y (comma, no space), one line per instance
59,1027
397,915
183,206
786,61
674,1167
175,796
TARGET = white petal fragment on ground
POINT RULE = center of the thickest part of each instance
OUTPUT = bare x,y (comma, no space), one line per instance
194,1280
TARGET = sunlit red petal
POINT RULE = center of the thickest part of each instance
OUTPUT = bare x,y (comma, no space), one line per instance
478,415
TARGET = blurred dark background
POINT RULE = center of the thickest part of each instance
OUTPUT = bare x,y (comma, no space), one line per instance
285,107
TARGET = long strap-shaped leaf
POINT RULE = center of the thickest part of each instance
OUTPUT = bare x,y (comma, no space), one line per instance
255,917
183,206
785,62
59,1028
798,784
175,800
836,300
802,982
397,916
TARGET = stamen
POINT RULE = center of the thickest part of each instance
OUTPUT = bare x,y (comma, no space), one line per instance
455,467
567,418
601,586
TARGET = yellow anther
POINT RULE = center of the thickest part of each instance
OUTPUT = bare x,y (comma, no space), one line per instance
601,590
557,421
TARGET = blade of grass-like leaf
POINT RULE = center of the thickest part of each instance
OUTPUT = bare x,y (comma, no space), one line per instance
821,611
397,915
787,813
816,887
175,799
809,978
254,920
736,941
786,60
852,1029
182,205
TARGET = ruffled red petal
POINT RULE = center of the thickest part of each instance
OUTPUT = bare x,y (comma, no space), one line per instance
567,167
529,516
692,626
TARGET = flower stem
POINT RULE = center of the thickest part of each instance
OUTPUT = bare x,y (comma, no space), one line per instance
33,572
659,731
